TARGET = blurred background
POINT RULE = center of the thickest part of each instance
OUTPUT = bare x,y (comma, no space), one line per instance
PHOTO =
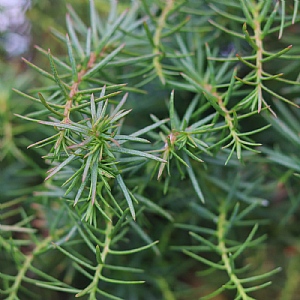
23,23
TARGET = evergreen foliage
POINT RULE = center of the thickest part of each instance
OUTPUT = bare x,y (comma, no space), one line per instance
150,156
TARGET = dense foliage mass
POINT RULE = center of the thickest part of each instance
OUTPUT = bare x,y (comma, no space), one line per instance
155,155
